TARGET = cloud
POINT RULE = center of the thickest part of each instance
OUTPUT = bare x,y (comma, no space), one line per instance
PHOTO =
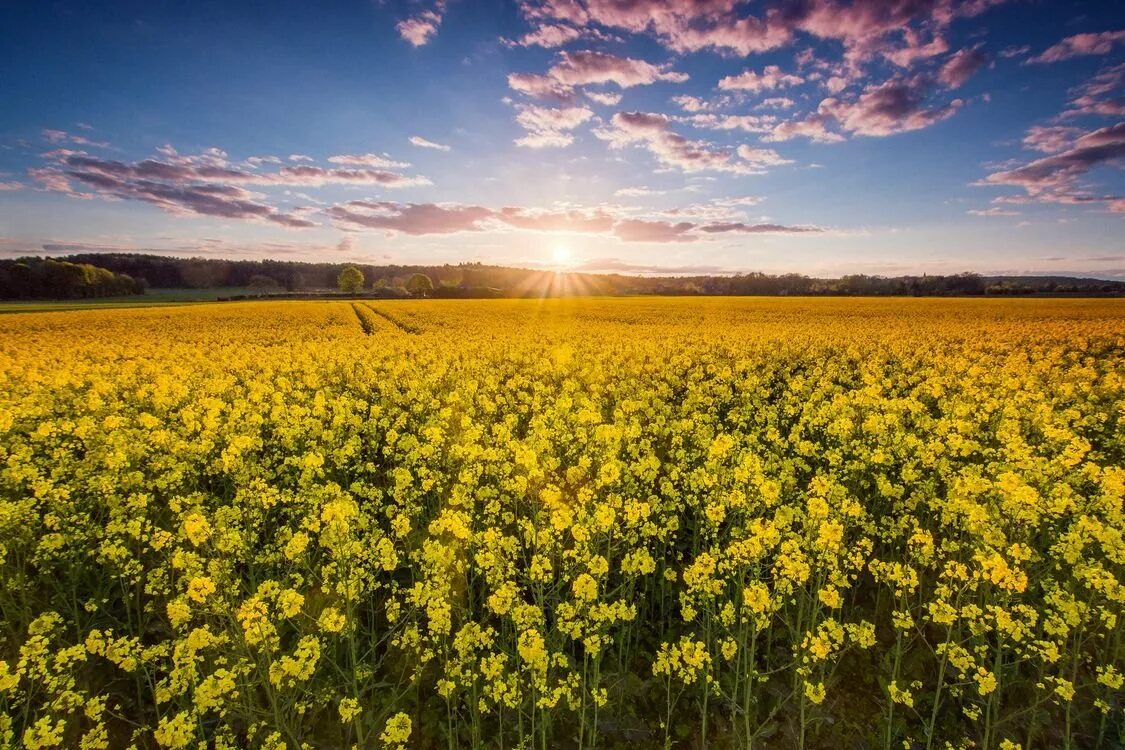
771,77
695,104
575,69
540,87
616,265
375,161
763,157
257,161
417,219
10,186
639,230
896,106
549,35
61,136
594,221
743,228
205,184
581,68
960,67
300,157
1053,178
419,29
409,218
776,102
747,123
993,211
421,142
813,126
1014,51
724,25
1079,45
1099,96
914,49
637,192
654,132
1050,139
547,127
607,98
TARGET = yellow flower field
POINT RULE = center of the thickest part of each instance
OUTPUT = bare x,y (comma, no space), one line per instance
567,523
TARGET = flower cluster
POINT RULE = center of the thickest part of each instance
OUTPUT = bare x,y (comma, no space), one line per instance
567,522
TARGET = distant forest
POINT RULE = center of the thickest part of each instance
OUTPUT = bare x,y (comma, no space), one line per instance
38,278
100,274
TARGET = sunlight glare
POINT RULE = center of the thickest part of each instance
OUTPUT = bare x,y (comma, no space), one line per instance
561,255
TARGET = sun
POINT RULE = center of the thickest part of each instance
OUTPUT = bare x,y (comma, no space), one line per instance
561,255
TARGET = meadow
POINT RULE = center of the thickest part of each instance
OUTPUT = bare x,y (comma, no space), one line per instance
582,523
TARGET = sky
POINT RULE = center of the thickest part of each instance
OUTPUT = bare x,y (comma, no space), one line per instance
822,137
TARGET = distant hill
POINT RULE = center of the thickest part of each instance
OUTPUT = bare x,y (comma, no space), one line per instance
476,279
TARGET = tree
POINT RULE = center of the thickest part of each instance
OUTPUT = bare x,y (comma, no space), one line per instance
350,280
419,285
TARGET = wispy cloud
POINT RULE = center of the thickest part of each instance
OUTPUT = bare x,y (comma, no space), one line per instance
421,142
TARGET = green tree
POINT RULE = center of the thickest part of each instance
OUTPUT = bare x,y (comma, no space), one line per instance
350,280
419,285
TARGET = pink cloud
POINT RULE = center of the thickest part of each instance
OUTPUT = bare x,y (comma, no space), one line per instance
376,161
896,106
747,123
914,49
993,211
61,136
1080,45
776,102
418,219
571,11
761,157
743,36
960,67
547,127
593,221
1099,96
539,87
813,126
549,35
639,230
421,142
10,186
1054,178
771,77
607,98
743,228
409,218
581,68
575,69
654,132
205,184
419,29
724,25
696,104
1050,139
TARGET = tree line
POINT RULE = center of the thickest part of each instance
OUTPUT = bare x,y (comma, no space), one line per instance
481,280
36,278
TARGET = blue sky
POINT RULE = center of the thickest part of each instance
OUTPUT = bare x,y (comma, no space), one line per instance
819,136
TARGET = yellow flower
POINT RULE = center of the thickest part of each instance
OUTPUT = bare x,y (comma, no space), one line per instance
349,709
176,731
585,587
396,733
200,588
331,620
